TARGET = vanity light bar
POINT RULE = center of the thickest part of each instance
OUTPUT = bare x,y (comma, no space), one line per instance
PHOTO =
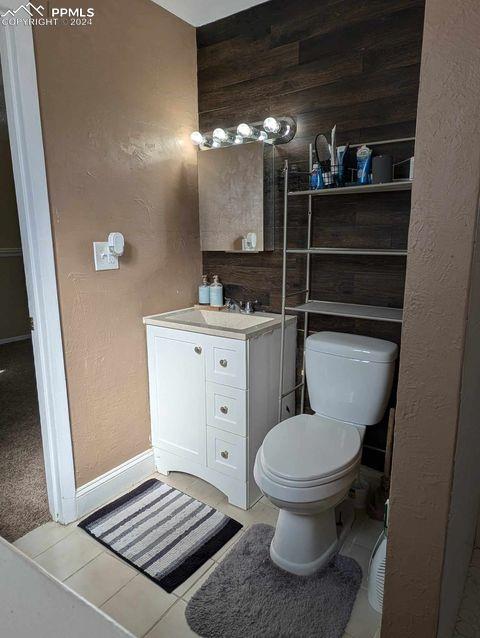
271,130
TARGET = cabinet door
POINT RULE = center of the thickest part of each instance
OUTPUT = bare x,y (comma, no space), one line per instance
176,363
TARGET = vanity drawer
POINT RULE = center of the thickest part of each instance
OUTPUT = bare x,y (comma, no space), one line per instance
227,408
226,453
226,362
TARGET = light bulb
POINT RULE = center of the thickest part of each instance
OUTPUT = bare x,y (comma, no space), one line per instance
238,139
248,132
263,136
215,144
244,130
220,134
197,138
272,125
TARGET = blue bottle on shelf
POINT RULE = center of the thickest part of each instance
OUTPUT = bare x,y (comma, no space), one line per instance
316,178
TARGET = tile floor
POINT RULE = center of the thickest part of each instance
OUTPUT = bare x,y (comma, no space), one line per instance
143,607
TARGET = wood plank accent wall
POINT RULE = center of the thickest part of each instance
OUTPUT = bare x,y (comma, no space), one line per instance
351,63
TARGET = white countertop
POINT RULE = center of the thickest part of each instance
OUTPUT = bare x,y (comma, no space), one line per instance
233,325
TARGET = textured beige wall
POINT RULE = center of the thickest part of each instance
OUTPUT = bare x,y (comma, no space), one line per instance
444,210
118,101
465,495
13,293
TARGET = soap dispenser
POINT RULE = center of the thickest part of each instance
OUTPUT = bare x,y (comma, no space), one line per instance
216,292
204,291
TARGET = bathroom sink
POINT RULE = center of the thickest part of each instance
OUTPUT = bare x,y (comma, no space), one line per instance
221,323
222,319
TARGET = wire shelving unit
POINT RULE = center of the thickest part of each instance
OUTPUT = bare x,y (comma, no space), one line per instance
314,306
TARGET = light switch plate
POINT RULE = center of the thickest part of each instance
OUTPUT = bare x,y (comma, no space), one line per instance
104,260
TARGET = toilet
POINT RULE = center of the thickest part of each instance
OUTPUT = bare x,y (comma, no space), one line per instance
306,464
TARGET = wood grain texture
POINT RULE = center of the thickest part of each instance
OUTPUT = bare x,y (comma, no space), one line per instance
354,64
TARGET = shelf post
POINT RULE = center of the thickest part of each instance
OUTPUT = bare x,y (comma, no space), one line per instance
307,281
284,288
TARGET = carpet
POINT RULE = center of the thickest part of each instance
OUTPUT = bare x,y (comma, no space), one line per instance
23,490
164,533
247,595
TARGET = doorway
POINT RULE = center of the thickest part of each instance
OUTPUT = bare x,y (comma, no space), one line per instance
17,60
23,488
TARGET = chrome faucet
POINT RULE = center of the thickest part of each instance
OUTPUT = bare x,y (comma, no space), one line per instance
250,307
233,305
247,307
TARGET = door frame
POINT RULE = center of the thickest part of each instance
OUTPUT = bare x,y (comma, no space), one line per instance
26,142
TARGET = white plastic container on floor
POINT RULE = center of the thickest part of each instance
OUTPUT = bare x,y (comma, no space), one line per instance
376,576
376,571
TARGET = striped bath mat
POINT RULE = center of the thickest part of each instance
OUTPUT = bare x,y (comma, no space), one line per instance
162,532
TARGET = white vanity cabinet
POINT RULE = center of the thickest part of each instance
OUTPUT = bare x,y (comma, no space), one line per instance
213,399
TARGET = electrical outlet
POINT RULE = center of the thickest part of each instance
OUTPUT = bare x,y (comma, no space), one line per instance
104,260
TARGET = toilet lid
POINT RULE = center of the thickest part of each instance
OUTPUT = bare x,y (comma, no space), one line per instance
307,448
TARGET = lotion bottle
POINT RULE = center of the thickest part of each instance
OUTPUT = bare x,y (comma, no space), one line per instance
216,293
204,291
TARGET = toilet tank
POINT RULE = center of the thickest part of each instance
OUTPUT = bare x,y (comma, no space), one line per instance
349,377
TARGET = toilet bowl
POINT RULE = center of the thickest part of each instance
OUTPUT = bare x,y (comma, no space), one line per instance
306,464
305,467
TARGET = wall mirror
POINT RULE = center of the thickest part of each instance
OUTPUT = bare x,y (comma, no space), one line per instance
236,196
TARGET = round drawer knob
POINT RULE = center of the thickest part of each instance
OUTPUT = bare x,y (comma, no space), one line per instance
198,349
224,454
224,409
223,363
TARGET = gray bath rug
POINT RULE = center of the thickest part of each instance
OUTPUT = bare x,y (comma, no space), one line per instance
248,596
162,532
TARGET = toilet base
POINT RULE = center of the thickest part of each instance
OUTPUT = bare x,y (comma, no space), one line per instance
305,543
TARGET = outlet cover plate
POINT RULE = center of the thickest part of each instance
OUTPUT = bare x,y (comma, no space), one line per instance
103,258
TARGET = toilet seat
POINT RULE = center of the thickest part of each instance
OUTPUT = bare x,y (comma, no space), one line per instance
309,451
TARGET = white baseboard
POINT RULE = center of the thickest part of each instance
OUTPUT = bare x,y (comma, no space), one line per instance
12,339
112,484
